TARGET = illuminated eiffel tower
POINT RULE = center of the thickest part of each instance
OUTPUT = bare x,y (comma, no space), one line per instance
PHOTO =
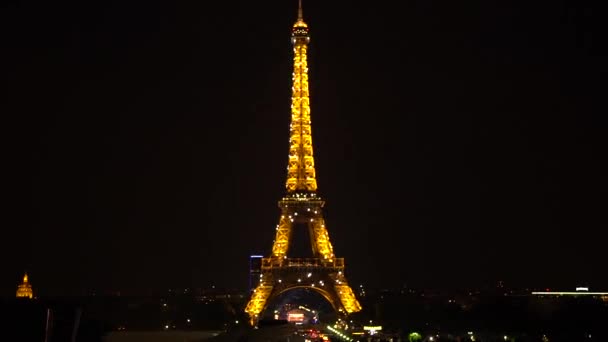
302,208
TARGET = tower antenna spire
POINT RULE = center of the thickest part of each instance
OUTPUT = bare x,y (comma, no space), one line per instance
300,16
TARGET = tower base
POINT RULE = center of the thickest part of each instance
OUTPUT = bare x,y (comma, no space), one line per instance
325,277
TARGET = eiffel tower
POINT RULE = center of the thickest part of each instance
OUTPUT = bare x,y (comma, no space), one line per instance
301,207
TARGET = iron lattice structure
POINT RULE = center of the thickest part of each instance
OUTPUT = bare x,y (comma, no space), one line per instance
301,206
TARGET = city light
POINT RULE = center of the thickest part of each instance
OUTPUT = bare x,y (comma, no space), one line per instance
566,293
339,334
372,329
414,337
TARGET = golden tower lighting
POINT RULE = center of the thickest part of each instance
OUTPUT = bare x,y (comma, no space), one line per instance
323,273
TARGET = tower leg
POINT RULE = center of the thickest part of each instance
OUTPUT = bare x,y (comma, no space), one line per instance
320,237
257,303
347,297
281,241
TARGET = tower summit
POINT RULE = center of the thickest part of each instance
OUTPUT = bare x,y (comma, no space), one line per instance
301,208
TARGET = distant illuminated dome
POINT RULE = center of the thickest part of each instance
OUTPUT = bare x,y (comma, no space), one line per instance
24,290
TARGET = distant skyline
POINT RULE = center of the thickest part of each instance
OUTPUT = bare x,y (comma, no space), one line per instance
456,144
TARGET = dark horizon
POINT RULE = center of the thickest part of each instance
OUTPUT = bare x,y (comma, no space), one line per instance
455,144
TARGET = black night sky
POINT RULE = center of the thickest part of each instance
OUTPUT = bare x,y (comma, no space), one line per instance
456,143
